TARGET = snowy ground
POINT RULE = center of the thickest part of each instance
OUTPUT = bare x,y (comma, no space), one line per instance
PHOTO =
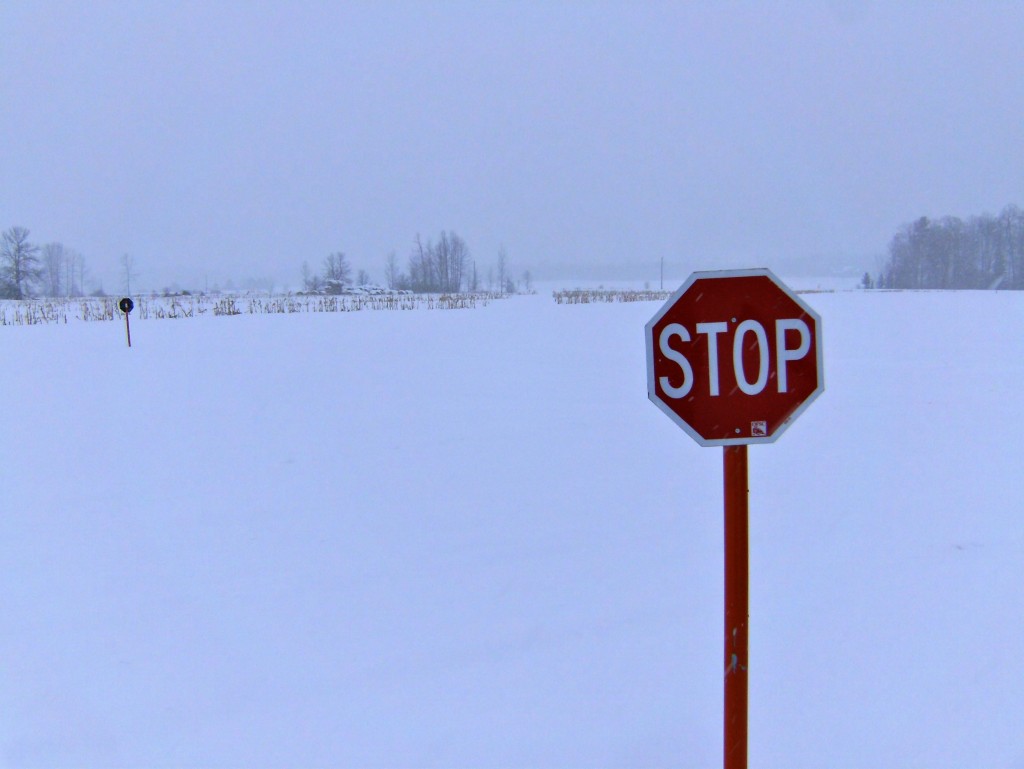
466,539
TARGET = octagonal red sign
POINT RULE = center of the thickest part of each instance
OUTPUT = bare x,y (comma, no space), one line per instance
734,357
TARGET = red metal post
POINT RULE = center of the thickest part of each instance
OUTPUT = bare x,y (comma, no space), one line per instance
737,600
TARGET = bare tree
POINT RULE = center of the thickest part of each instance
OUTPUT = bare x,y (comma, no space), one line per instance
53,259
450,256
439,267
392,275
422,267
444,257
128,273
502,268
310,280
337,276
19,263
74,273
362,278
527,281
337,269
458,258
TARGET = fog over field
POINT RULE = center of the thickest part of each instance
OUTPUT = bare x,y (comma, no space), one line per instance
227,142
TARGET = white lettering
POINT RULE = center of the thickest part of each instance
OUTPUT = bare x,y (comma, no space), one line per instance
712,330
671,330
785,354
737,357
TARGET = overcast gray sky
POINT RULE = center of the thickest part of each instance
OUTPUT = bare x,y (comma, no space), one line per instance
238,139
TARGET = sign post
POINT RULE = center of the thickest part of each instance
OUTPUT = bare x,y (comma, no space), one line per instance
733,357
737,602
127,305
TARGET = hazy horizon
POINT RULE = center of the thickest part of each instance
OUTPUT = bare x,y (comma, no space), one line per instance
225,141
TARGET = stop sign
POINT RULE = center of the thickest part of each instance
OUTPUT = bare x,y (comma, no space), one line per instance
733,357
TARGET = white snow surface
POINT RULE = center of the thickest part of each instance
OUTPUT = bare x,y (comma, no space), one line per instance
467,539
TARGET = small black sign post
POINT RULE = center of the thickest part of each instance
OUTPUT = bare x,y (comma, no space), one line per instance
127,305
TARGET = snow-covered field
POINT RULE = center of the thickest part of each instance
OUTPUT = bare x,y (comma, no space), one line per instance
465,538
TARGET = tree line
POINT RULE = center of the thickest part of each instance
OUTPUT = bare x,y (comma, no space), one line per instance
441,266
985,252
27,269
444,266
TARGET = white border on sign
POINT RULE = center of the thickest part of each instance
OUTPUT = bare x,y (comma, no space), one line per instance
649,343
